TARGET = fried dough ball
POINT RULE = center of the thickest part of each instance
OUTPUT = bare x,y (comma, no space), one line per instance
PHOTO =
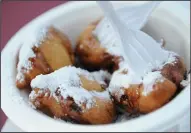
52,52
75,94
91,54
134,101
144,97
155,89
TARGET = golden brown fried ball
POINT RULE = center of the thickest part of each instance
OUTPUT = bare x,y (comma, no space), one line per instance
141,95
134,101
53,52
102,112
91,54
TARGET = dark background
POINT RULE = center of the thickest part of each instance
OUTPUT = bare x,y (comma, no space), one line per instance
14,15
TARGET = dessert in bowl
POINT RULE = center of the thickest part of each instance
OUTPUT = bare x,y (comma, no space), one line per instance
44,93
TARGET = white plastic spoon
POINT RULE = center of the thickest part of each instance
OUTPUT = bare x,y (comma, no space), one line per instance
140,48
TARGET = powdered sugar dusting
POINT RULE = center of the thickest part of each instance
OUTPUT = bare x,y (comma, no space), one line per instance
186,82
171,58
17,99
149,80
55,97
67,81
101,76
121,80
34,38
79,94
24,64
102,95
33,95
20,76
119,93
14,94
112,44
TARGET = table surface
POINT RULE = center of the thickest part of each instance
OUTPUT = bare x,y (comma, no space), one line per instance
15,14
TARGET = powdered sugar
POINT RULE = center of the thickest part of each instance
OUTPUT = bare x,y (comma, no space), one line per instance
24,64
186,82
101,95
120,80
33,95
113,46
15,98
79,94
101,76
134,17
67,81
150,79
26,52
111,42
171,57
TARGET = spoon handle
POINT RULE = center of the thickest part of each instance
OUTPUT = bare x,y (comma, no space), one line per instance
110,13
121,29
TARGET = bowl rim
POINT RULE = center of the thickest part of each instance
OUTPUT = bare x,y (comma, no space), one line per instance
31,124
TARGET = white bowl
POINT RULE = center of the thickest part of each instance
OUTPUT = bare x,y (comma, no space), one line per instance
170,21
